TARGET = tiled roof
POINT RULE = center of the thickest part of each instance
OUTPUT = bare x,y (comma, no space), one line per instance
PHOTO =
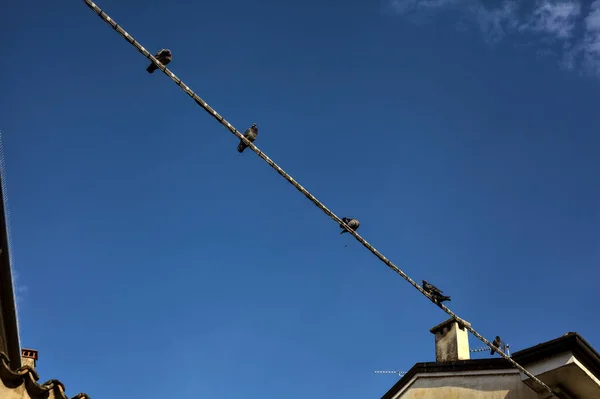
27,375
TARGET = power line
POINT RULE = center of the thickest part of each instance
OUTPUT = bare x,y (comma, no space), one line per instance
504,347
399,373
483,349
299,187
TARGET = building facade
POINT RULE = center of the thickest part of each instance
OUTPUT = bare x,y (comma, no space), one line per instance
568,364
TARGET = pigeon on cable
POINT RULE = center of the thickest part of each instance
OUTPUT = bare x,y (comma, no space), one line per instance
352,223
496,343
164,56
436,293
251,133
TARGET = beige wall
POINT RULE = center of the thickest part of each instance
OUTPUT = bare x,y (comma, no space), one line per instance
20,392
22,384
475,385
13,393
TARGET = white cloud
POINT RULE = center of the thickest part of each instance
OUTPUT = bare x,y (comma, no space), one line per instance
20,290
572,31
496,22
405,6
554,18
591,40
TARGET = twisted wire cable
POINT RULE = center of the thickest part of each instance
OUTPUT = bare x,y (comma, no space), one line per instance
299,187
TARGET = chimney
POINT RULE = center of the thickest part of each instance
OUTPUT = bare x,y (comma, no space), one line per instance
29,357
451,342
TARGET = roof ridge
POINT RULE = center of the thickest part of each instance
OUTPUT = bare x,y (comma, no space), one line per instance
29,376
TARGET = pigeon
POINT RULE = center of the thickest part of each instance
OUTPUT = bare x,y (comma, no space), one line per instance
352,223
164,56
251,133
436,293
496,343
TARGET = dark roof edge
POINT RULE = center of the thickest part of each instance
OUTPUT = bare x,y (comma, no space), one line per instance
9,310
572,341
29,376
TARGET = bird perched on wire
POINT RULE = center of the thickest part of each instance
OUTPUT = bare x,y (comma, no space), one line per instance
164,56
496,343
352,223
434,292
251,133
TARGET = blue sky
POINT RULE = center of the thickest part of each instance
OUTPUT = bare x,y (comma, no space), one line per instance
152,259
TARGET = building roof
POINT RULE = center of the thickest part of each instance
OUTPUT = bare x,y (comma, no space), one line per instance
27,375
571,341
9,331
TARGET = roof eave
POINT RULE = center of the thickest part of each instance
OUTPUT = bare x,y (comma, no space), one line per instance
7,295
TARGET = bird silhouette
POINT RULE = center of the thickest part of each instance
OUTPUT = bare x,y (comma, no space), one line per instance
435,292
354,224
251,133
496,343
164,56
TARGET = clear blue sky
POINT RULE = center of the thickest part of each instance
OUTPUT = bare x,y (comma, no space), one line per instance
154,260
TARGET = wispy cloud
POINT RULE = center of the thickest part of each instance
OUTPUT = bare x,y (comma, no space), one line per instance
405,6
556,19
495,22
591,40
20,290
563,27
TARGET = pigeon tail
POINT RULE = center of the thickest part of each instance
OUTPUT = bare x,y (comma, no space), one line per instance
344,231
492,352
442,298
151,68
241,147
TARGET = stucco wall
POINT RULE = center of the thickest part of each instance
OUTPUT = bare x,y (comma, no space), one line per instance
8,391
13,393
23,384
479,386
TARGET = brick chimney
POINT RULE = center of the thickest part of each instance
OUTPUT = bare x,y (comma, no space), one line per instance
29,357
451,342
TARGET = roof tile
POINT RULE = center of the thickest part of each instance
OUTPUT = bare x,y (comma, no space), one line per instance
27,375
